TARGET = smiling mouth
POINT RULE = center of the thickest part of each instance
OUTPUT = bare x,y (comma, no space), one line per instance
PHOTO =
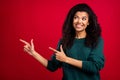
79,26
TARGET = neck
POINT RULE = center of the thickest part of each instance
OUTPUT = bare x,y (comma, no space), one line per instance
80,35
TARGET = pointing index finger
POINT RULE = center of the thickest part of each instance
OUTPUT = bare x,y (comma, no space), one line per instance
53,49
24,42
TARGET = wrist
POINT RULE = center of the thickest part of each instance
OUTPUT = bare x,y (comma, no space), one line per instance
34,53
66,60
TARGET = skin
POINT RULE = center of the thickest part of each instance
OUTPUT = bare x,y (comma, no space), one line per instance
80,22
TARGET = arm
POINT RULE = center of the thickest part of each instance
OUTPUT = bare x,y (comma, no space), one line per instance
60,55
29,48
40,58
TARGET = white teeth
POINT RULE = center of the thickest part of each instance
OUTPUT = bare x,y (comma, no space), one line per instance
79,25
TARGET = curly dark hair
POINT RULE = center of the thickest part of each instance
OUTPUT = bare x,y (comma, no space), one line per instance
93,30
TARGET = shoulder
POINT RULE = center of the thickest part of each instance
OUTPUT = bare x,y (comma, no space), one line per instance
100,39
100,42
60,41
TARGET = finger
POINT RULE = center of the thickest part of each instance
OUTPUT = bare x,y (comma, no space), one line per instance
61,49
32,44
26,50
53,49
27,47
24,42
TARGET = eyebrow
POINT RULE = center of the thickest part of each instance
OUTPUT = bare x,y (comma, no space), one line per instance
82,16
85,16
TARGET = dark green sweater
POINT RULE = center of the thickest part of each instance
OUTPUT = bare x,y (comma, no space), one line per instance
93,61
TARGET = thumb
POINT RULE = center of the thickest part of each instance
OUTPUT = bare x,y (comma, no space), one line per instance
32,44
61,49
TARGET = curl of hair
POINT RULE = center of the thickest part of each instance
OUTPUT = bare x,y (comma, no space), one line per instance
93,30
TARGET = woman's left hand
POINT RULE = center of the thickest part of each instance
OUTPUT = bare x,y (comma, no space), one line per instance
60,55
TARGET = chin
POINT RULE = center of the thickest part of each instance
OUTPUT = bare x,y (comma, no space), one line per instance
79,30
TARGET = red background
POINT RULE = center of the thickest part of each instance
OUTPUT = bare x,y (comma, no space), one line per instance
42,21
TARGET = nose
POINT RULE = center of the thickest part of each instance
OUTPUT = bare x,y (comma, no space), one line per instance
79,20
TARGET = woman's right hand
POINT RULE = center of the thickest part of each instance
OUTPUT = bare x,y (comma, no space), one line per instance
28,47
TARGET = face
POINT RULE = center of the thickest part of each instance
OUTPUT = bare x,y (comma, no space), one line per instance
80,21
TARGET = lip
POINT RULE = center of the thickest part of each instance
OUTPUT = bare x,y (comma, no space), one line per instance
78,26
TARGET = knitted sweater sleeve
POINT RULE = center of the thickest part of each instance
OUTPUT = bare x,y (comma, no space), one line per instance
95,61
54,64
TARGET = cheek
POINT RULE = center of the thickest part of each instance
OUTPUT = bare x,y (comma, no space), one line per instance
74,22
73,25
86,23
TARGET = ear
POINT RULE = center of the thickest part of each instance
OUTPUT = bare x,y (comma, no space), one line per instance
88,23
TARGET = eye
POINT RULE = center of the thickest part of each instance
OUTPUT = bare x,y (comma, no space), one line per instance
75,17
84,18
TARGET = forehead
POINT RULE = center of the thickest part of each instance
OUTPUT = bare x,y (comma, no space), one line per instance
81,13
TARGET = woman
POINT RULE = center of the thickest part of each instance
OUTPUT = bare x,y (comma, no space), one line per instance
80,50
